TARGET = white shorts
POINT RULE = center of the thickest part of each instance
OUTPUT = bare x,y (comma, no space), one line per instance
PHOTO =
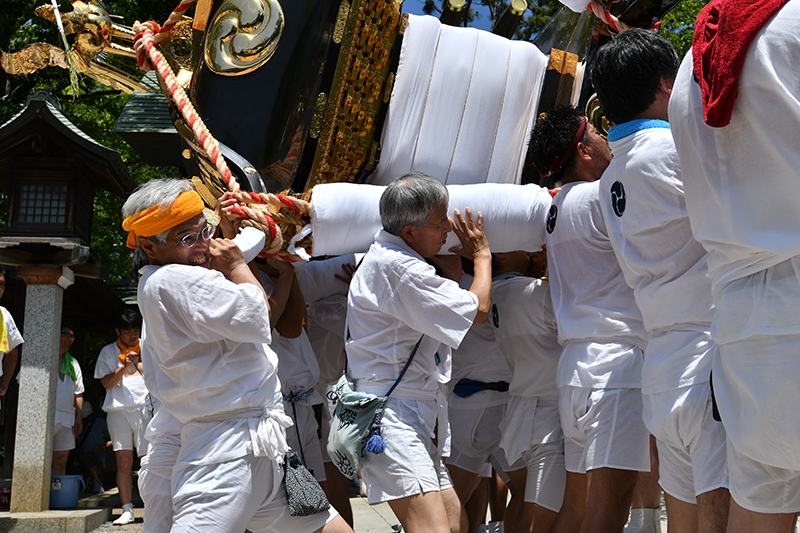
410,461
547,475
529,422
762,488
691,444
603,428
308,450
63,438
476,435
127,428
155,480
229,497
756,386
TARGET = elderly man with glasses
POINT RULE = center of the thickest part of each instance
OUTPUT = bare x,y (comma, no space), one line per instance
206,357
398,304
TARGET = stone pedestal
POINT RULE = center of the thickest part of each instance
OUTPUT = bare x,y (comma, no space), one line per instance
33,451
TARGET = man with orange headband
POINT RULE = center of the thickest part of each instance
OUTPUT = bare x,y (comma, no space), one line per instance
127,402
206,357
600,327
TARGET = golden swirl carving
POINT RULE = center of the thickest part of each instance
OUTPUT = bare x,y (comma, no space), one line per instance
243,36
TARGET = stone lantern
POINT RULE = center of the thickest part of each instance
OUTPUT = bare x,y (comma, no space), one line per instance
51,172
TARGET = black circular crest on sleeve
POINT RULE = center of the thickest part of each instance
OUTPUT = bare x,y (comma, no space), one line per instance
618,200
551,219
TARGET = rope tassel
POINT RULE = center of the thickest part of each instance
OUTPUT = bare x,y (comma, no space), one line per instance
375,443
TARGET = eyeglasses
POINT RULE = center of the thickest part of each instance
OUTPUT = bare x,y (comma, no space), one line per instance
68,335
191,239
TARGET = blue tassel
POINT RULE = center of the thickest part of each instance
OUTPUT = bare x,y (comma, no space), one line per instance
375,444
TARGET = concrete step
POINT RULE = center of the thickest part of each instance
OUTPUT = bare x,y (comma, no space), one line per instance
78,521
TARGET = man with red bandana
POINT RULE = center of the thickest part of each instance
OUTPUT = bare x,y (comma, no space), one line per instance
599,373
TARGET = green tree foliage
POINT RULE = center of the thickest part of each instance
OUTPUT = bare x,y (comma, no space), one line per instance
537,15
94,109
678,24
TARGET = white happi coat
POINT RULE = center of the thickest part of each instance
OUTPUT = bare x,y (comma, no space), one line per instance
479,358
66,390
130,392
12,331
326,330
527,333
591,300
395,297
643,205
205,353
743,200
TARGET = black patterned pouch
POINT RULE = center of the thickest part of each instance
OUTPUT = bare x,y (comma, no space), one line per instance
303,493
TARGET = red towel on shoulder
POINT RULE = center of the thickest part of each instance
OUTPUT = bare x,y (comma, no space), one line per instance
722,35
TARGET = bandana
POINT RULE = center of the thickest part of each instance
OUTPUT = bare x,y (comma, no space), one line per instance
124,349
558,162
156,219
722,34
68,366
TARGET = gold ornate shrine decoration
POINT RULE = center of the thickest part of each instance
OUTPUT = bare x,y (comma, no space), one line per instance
346,143
96,39
243,35
32,58
596,116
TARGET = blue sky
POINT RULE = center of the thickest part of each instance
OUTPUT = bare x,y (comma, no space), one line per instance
415,7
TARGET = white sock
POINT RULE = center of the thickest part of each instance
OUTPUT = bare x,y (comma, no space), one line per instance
634,524
127,507
652,520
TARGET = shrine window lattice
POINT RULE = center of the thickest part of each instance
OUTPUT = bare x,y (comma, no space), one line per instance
43,203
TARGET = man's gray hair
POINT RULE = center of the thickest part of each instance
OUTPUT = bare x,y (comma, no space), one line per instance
162,191
410,200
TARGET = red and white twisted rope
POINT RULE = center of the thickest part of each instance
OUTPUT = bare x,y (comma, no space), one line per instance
603,14
279,200
613,22
144,42
148,37
173,19
258,219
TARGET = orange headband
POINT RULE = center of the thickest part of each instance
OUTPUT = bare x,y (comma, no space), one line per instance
154,220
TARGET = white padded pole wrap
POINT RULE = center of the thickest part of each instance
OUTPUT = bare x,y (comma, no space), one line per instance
462,105
318,279
346,217
251,241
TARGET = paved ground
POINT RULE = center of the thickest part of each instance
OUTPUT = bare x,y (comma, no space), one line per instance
367,518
